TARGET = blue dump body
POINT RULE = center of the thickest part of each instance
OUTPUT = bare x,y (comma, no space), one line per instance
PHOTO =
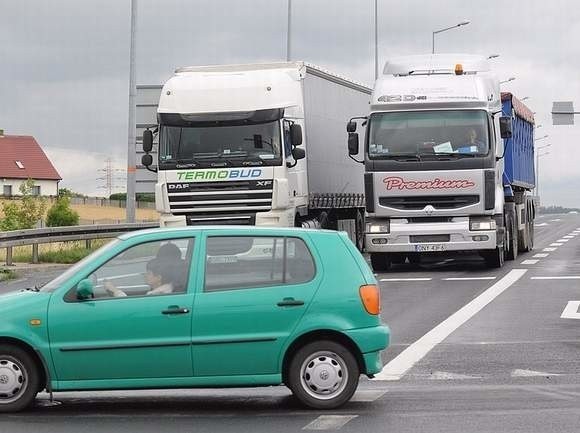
519,169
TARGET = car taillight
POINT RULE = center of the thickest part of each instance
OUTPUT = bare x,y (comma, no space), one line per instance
370,296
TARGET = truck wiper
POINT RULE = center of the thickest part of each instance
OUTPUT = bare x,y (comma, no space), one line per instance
413,156
456,154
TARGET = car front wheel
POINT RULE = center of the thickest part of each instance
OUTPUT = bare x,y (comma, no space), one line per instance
19,379
323,375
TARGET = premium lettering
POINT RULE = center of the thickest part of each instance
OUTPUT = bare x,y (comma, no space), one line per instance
395,182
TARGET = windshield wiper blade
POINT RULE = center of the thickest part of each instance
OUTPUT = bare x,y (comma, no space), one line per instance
416,156
456,154
32,289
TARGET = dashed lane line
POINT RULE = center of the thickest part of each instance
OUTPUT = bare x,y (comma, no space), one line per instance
399,366
549,249
541,255
568,237
560,277
468,278
562,240
529,262
556,244
404,279
329,422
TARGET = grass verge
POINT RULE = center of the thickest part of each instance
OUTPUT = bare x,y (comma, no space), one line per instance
7,274
58,252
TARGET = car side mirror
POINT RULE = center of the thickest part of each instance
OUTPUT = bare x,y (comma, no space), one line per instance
296,134
505,127
147,141
352,143
351,126
147,160
298,153
85,290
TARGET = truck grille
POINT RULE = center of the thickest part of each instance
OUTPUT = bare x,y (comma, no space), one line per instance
220,198
437,201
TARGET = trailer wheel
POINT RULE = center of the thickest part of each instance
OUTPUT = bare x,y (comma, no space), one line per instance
512,236
380,262
530,227
360,230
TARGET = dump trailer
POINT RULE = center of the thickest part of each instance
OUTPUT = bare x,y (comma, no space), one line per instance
448,162
258,144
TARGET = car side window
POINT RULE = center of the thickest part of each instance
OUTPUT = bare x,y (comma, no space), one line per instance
151,268
238,262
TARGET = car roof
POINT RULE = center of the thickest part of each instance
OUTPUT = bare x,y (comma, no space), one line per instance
250,230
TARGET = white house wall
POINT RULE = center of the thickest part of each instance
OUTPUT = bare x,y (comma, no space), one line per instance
47,187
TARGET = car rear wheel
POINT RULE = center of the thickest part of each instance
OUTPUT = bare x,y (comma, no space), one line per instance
19,379
323,375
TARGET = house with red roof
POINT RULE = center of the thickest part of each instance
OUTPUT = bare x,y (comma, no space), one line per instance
21,158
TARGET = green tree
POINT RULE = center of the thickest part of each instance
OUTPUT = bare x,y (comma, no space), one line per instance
60,213
24,213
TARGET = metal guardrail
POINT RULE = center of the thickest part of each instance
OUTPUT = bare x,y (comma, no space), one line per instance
59,234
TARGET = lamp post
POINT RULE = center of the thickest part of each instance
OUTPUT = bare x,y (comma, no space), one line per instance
538,155
376,42
508,80
462,23
288,28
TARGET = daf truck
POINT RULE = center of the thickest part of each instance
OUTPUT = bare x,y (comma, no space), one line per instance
449,162
258,144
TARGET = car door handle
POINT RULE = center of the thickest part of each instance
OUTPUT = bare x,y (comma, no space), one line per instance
290,302
175,310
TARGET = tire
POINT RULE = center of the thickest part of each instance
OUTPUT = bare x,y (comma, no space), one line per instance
531,239
380,262
19,379
513,247
398,259
323,375
360,230
414,259
495,258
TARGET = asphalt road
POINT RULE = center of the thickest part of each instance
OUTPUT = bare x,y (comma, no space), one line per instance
474,350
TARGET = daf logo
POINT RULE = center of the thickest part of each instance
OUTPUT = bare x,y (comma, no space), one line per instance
429,210
178,186
264,183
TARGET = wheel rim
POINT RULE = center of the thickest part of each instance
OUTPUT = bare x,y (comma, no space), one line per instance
13,380
324,375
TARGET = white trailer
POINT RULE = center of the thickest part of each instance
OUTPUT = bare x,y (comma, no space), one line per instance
258,144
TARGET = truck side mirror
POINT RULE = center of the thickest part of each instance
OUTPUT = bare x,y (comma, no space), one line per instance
351,126
296,134
505,127
298,153
147,160
147,141
352,143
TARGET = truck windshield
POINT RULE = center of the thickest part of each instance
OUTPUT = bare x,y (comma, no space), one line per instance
459,133
232,144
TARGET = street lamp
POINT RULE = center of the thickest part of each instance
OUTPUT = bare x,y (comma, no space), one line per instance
462,23
492,56
541,138
524,98
508,80
538,126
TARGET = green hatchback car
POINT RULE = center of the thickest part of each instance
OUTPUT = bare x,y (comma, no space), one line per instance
199,307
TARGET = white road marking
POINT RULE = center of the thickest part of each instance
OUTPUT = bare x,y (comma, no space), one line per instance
405,279
529,262
541,255
556,244
368,395
329,422
549,249
563,277
568,237
556,220
541,224
531,373
468,278
397,368
562,240
444,375
571,310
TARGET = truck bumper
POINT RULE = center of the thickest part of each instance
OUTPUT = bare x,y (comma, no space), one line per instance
430,237
168,220
276,218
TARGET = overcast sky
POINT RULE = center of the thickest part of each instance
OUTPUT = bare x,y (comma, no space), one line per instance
65,63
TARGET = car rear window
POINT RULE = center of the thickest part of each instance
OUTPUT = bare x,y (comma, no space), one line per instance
239,262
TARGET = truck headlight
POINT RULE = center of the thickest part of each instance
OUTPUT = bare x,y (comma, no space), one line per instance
481,224
382,227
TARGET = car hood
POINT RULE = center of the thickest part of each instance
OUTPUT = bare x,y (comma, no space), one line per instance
22,303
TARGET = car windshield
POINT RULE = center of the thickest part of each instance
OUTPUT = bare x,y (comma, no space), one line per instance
423,133
54,284
192,139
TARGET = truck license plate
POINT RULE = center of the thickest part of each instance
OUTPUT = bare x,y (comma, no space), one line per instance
429,248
